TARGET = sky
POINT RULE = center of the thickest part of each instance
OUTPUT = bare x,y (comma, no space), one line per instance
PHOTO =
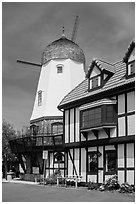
105,31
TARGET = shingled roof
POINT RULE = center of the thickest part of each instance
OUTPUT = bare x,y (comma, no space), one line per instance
81,92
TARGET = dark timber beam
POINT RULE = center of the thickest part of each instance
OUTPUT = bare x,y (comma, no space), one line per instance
95,133
85,134
72,162
107,130
100,142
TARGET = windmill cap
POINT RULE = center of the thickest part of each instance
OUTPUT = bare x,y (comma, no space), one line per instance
63,48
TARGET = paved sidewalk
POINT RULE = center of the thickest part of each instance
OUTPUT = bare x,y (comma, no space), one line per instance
19,181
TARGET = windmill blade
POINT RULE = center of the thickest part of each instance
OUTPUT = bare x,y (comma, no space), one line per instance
75,28
29,63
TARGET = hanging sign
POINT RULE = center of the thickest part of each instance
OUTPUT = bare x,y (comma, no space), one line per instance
45,154
35,170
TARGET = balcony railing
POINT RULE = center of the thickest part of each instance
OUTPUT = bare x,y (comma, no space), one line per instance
33,143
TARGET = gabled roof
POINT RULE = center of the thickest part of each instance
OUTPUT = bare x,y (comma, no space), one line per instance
81,91
102,65
129,51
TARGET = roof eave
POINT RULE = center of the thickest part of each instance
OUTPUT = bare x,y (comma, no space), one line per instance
97,96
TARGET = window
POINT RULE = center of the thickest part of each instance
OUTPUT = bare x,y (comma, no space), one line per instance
111,161
92,162
131,68
40,98
59,157
91,117
94,117
109,113
95,82
59,69
57,128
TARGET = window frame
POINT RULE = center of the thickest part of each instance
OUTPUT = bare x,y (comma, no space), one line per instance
93,172
59,66
40,98
103,117
128,75
58,124
107,172
99,76
89,117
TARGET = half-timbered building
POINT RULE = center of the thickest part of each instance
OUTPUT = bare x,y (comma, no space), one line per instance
99,122
93,134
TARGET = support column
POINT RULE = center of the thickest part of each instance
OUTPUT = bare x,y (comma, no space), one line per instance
28,164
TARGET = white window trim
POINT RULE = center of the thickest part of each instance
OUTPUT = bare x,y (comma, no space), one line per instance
59,65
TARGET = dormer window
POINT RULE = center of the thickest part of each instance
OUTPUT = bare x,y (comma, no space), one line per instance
129,59
39,98
59,68
131,68
99,73
95,82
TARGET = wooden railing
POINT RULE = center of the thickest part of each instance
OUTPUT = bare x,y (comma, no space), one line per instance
33,143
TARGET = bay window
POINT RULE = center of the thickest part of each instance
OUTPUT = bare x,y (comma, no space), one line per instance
98,116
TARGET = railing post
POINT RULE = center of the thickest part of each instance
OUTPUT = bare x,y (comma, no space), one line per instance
76,182
57,181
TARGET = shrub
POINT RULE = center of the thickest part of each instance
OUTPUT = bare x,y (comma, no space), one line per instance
82,184
112,183
50,181
126,188
62,181
93,186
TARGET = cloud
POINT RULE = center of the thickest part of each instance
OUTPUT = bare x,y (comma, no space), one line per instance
105,31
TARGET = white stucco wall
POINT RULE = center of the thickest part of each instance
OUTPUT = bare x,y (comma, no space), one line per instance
131,124
121,104
77,125
83,164
76,160
131,101
130,177
121,126
121,175
70,165
66,125
130,155
72,125
121,155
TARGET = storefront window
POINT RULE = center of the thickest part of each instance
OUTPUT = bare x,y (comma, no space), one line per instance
92,162
110,157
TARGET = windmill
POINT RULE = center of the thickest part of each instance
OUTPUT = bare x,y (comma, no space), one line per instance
73,38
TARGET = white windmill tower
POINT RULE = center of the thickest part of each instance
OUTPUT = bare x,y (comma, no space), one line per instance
62,68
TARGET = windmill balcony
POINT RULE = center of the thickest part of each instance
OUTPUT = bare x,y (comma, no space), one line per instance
36,143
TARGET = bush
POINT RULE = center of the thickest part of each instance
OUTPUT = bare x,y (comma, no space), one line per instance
52,180
82,184
126,188
111,183
93,186
62,181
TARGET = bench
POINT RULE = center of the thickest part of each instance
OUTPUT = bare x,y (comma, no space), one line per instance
75,178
